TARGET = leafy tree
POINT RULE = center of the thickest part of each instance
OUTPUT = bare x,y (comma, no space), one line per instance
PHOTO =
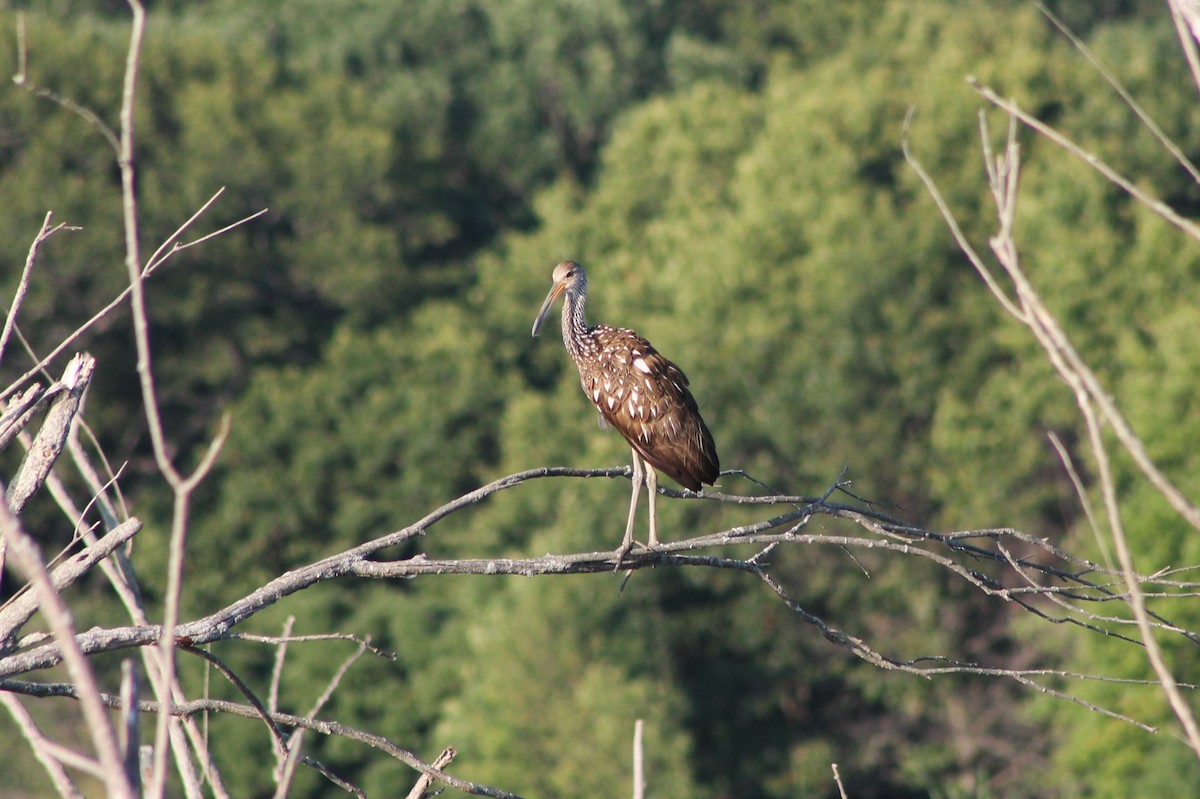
868,338
386,431
758,224
539,659
1119,278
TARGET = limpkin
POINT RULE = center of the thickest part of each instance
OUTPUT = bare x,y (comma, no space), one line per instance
637,391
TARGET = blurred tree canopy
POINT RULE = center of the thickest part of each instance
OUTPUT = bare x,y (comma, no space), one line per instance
732,175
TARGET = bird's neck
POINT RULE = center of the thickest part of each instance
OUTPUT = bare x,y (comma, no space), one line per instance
574,327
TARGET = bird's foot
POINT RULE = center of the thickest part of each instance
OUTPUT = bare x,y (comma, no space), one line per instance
628,546
620,552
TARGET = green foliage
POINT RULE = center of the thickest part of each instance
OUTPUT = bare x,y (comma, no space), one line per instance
1120,280
712,203
387,153
732,175
383,433
538,654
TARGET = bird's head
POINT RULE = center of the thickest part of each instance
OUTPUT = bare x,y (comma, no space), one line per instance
569,277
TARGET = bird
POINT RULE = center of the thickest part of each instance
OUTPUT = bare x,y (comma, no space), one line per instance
637,391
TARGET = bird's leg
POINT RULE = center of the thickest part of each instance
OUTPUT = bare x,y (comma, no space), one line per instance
638,477
652,490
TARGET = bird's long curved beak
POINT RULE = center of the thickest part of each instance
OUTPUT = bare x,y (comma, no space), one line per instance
555,290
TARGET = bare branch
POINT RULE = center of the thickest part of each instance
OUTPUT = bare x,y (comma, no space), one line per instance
48,444
1091,397
1168,144
425,780
889,535
1153,203
26,557
639,774
1186,15
123,579
279,719
41,747
23,283
130,737
1137,601
1084,582
837,778
277,669
1095,405
964,244
20,608
63,345
21,78
141,330
1054,340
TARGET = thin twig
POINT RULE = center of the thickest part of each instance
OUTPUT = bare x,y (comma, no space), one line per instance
277,669
336,680
1081,497
1168,144
837,778
21,78
964,243
1153,203
285,769
22,606
171,245
1186,16
26,557
295,741
639,774
277,735
130,723
280,719
113,304
295,639
1092,400
43,233
141,331
41,748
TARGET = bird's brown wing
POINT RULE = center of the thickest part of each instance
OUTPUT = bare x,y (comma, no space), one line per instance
646,398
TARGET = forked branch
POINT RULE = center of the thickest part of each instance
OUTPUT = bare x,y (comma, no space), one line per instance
1096,405
1073,582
